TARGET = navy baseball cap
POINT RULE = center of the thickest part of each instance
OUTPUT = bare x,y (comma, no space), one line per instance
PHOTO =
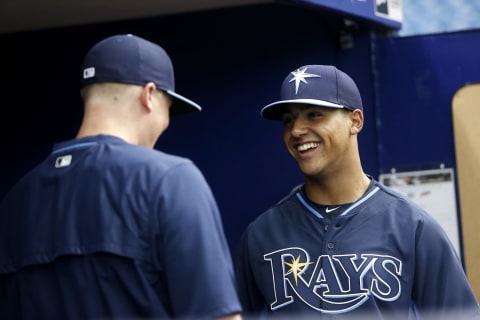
133,60
318,85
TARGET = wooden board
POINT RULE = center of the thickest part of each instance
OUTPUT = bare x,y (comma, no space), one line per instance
466,124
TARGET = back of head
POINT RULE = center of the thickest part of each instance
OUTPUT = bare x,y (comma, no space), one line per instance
133,60
320,85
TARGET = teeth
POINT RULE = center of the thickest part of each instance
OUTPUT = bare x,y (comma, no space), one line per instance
307,146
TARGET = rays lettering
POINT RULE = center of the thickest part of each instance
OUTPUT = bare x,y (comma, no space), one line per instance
333,283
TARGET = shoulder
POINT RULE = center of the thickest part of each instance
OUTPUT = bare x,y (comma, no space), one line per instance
112,161
389,198
406,212
139,154
110,153
283,210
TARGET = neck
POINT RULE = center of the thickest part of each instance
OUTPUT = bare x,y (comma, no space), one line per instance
336,190
101,120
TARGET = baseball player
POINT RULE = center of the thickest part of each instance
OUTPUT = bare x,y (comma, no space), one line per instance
106,227
341,245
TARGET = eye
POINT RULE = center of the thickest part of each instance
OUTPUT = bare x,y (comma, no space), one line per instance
287,119
313,114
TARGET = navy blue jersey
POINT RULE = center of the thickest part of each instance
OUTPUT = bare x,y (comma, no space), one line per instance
380,259
106,229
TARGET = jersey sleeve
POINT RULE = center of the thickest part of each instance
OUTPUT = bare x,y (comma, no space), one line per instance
441,288
192,247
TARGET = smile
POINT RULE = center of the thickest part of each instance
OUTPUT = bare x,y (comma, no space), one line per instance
308,146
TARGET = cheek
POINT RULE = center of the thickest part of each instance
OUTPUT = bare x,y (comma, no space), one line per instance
165,122
285,138
286,143
162,121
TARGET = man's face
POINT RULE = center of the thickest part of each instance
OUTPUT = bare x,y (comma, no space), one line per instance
318,138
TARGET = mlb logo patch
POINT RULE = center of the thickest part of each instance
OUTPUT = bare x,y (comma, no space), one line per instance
63,161
89,73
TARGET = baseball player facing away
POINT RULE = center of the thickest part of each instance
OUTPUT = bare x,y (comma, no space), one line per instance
341,245
106,227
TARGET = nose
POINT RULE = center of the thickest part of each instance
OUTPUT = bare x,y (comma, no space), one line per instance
298,128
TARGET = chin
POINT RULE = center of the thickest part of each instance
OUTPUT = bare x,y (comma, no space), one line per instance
310,172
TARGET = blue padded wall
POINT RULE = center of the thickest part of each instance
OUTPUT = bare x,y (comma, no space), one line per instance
418,77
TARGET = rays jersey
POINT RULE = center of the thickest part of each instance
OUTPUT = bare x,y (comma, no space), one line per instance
104,229
381,258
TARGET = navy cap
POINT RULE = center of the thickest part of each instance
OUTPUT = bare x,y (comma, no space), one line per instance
319,85
133,60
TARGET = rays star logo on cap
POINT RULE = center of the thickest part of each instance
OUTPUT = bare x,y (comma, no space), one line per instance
326,87
300,75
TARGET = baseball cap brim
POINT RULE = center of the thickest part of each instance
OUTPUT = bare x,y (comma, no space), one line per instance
275,110
181,104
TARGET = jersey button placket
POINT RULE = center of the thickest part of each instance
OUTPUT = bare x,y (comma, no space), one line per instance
328,235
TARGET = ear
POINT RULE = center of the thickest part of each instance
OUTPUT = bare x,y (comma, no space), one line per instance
147,95
357,121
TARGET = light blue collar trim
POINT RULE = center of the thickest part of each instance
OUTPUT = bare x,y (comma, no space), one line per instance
361,200
306,205
75,146
353,206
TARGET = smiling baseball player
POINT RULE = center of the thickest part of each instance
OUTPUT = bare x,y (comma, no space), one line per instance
341,245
